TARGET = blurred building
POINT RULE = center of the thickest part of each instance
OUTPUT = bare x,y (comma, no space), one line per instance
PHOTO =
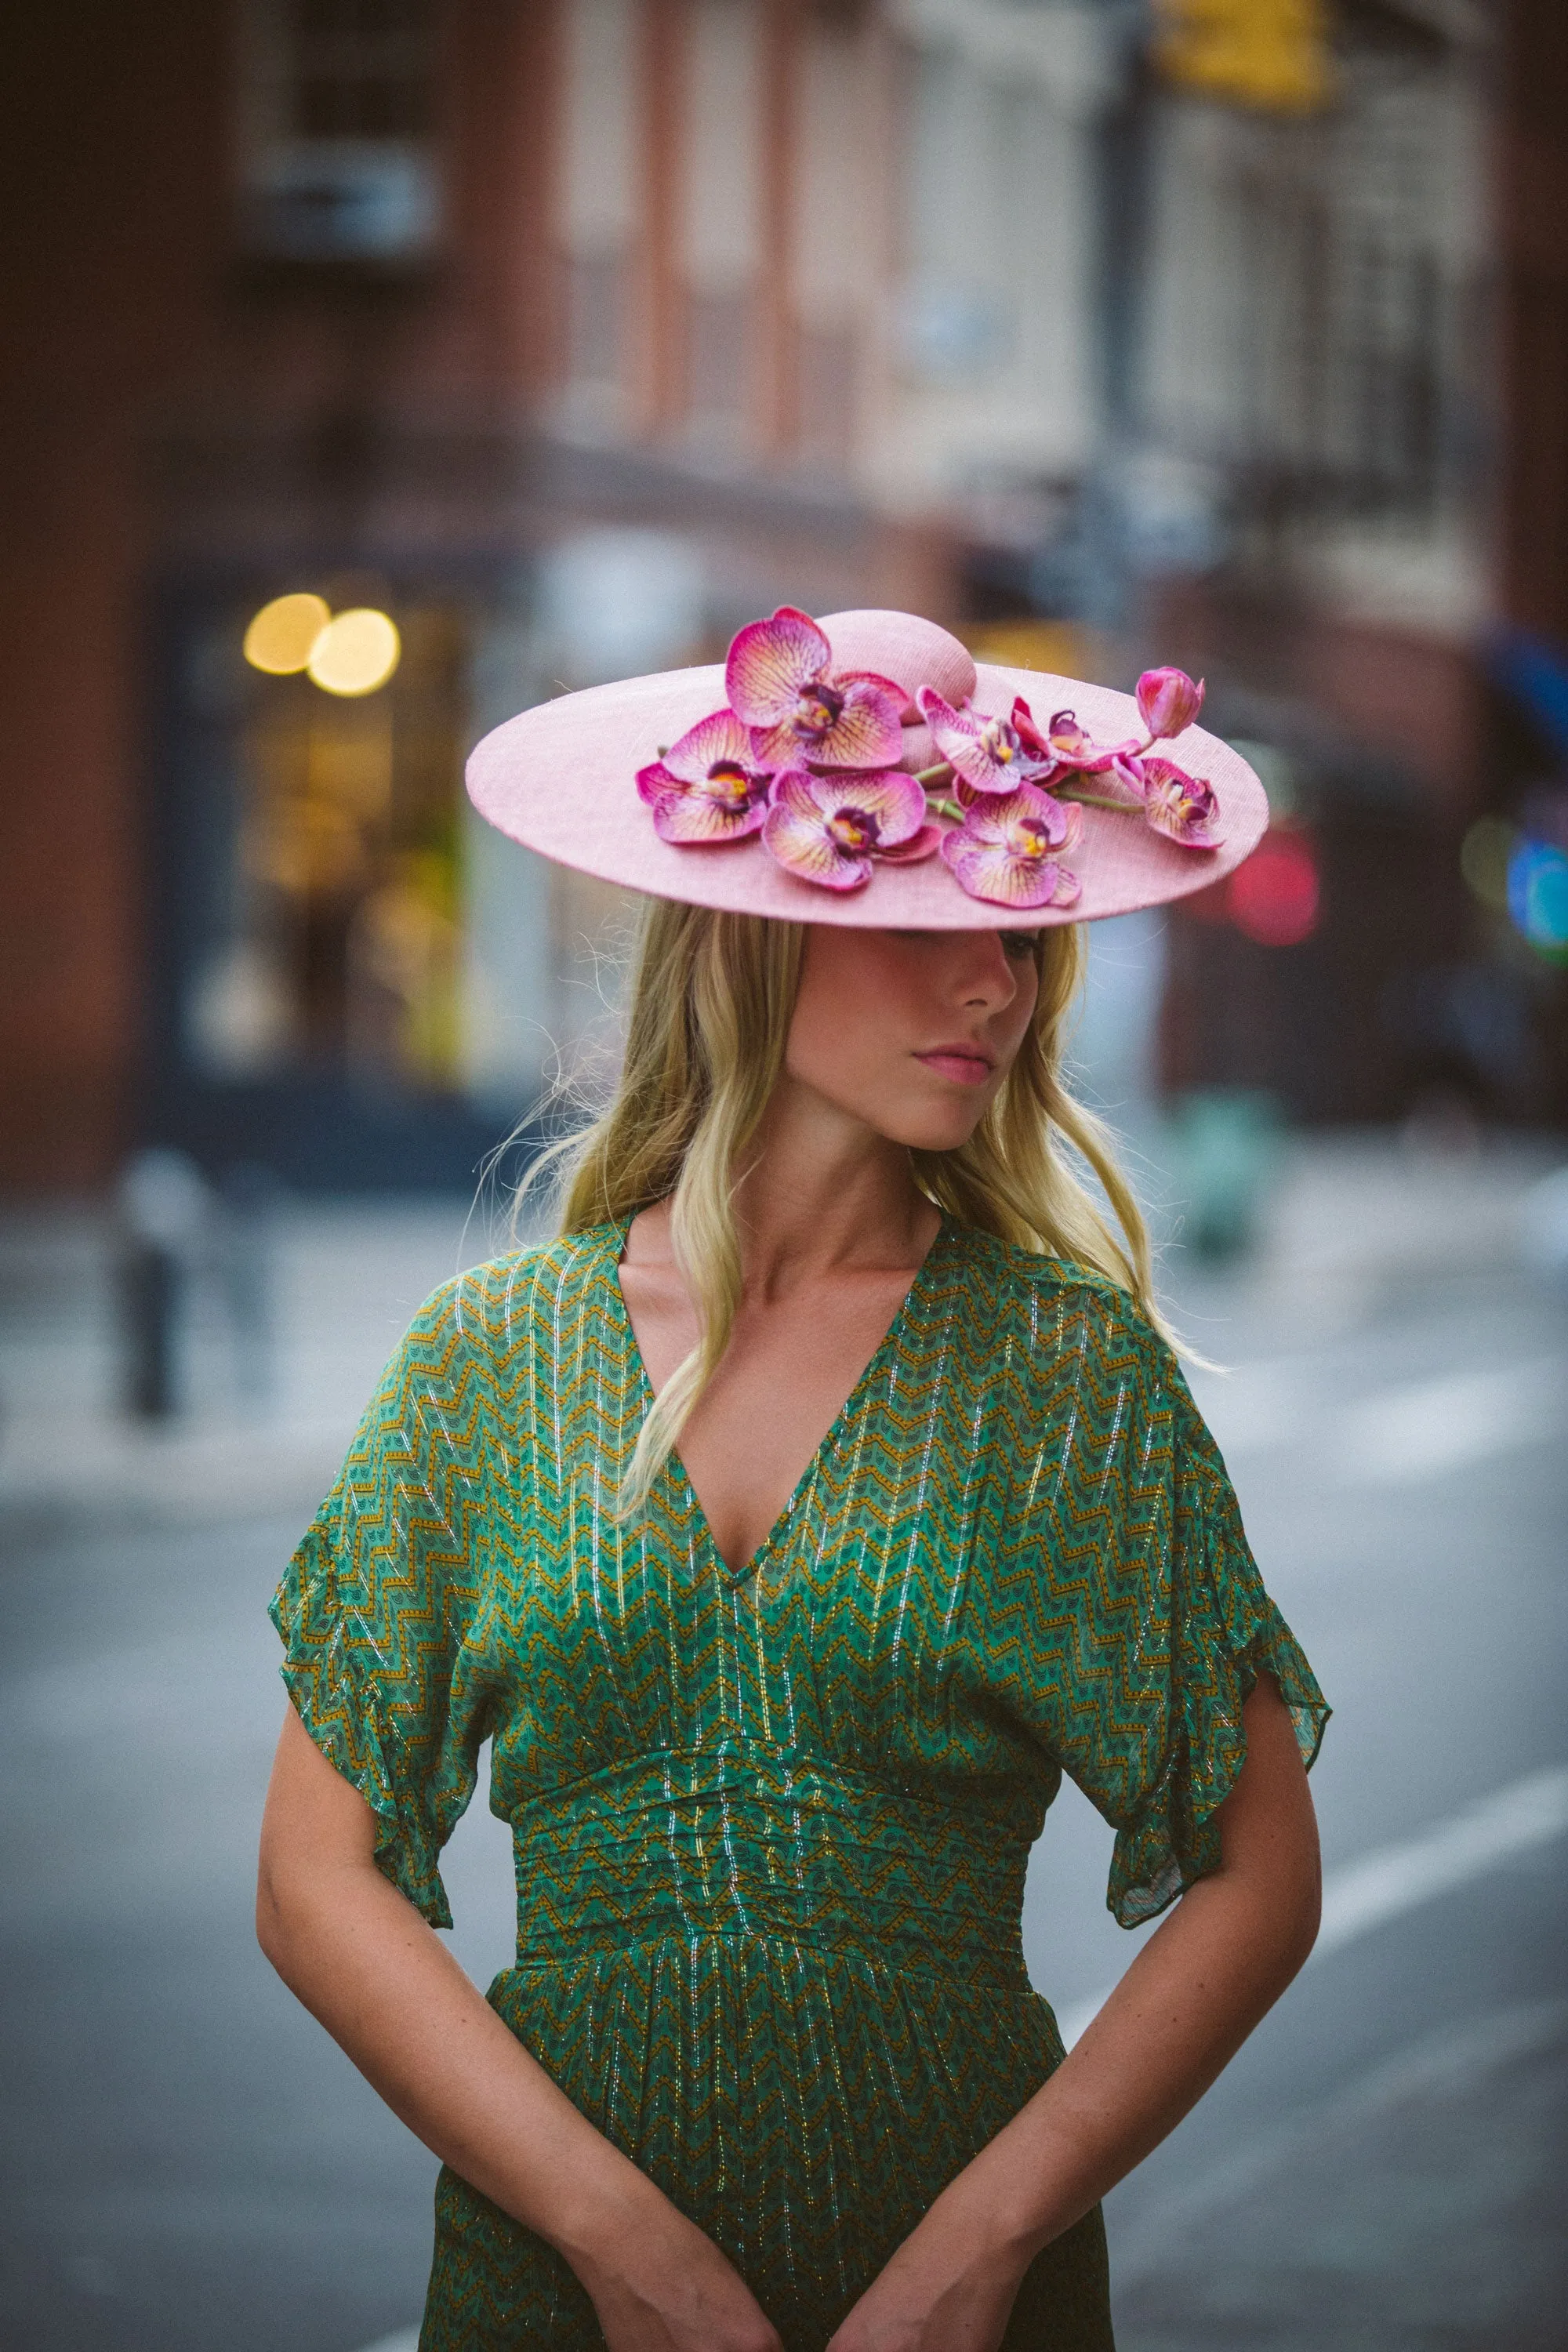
564,335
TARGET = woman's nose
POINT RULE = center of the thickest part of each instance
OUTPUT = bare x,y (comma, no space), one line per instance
986,973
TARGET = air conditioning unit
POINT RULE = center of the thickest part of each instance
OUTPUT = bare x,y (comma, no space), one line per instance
341,200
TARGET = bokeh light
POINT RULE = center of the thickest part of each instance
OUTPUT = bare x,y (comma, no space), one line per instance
1274,897
1484,855
357,652
281,636
1538,895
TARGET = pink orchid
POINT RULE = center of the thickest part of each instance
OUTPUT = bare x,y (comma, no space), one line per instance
830,829
1180,805
780,679
706,787
1070,749
1168,701
1004,849
989,755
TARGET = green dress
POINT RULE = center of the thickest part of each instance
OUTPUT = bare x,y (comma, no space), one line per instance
771,1828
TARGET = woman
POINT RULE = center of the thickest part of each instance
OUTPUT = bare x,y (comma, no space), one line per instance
792,1524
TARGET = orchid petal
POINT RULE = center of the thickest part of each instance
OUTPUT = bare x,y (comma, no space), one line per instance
865,732
1030,737
1010,817
993,872
1067,741
951,729
1126,769
987,754
769,661
896,801
691,819
706,787
1107,759
923,843
803,845
721,736
1004,849
658,784
868,732
793,789
1181,808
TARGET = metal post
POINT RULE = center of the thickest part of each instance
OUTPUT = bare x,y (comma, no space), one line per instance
163,1211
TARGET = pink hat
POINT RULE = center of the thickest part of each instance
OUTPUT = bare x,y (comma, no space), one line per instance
862,770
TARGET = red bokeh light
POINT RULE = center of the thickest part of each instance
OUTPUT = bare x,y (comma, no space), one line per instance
1274,898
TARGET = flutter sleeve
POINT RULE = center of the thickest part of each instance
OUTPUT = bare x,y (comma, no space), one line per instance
1169,1629
377,1604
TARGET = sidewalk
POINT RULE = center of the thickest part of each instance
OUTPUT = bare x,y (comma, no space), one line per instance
345,1279
1353,1223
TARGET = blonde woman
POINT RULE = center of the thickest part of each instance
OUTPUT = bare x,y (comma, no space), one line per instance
791,1524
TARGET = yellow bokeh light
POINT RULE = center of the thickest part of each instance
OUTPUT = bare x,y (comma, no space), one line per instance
281,635
357,652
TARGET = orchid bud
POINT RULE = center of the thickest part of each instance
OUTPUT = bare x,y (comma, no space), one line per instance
1169,702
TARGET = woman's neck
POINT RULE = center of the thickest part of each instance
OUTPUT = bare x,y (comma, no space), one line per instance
823,1189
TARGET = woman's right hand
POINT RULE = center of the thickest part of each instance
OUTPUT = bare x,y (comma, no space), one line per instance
383,1983
666,2287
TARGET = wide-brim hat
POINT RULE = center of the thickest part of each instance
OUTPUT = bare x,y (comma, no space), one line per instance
1113,823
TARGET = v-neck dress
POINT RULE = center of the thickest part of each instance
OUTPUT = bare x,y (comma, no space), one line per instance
771,1827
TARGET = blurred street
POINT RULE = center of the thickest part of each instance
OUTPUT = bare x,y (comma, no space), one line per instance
392,367
189,2163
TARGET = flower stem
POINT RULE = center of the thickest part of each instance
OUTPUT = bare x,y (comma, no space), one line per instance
937,775
939,806
1097,800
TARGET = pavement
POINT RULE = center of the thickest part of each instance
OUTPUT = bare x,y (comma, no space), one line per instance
189,2164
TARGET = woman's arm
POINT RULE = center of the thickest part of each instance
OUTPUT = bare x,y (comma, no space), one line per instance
379,1980
1186,2004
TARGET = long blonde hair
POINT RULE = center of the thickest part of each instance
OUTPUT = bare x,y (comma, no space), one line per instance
711,1001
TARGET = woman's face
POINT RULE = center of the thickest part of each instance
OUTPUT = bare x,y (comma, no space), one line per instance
912,1032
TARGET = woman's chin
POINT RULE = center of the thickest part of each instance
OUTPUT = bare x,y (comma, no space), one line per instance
929,1130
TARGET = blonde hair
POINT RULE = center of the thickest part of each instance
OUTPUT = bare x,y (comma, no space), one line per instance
712,1002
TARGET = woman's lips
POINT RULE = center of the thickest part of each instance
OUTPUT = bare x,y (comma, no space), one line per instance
965,1064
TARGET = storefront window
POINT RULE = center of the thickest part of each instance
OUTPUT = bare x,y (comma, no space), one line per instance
342,942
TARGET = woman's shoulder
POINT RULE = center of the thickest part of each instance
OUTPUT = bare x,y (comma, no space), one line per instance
1057,1302
496,1305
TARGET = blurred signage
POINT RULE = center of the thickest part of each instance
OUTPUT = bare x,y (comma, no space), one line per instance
1273,54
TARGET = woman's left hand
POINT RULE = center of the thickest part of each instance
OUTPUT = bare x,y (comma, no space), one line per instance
943,2291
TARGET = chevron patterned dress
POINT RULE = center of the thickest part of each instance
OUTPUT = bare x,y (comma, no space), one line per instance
771,1828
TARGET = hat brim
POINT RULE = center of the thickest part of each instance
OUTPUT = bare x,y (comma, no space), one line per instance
561,779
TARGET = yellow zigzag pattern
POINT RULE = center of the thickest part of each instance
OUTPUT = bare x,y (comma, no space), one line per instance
771,1829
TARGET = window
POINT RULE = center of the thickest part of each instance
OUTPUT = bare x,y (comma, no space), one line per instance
598,201
339,117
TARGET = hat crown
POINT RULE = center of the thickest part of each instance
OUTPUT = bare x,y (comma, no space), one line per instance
902,646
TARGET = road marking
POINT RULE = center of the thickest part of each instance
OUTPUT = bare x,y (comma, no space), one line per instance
1396,1878
1393,1436
1413,1433
1448,2062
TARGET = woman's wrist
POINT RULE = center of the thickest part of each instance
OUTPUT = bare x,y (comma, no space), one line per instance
1005,2206
606,2219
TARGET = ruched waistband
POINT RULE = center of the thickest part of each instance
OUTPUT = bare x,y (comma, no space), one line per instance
745,1841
